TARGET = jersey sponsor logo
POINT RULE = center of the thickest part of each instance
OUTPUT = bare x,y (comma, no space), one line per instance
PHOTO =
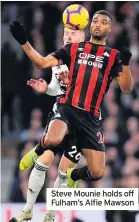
91,60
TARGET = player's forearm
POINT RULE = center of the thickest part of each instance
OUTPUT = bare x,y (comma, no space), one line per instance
125,80
19,34
33,54
40,61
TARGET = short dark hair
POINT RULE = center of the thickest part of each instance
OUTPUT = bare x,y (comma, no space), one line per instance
103,12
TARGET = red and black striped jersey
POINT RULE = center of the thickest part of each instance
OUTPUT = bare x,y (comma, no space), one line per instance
91,70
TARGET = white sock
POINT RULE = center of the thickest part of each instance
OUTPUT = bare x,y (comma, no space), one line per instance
36,181
61,180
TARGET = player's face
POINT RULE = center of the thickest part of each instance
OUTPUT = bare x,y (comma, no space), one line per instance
100,26
72,36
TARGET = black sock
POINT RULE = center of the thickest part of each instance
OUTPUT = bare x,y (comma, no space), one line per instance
79,174
83,174
39,150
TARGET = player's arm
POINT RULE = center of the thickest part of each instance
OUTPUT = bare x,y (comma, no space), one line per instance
19,34
39,86
64,77
40,61
125,79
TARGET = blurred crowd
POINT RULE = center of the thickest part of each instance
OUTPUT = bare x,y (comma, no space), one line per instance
24,112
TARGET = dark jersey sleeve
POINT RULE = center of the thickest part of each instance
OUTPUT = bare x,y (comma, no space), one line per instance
47,75
63,54
117,67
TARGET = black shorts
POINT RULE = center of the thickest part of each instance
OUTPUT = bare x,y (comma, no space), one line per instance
87,127
67,146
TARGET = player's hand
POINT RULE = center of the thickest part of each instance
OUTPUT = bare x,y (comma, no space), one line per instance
125,55
39,86
64,77
18,32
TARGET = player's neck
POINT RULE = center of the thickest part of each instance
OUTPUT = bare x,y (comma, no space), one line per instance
98,42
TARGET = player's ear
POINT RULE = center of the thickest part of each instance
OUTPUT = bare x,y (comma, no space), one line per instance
83,36
110,28
82,39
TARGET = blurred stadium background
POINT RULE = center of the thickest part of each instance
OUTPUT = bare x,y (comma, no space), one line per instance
24,112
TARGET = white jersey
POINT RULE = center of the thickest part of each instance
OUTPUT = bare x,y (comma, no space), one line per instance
56,88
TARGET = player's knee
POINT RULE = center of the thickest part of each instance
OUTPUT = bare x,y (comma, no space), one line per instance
52,140
49,141
97,173
63,168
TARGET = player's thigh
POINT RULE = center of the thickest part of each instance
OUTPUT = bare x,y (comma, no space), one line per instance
93,151
65,164
90,139
60,123
47,157
57,126
95,160
56,131
71,150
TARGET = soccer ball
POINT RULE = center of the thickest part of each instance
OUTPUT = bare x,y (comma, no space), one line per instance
75,17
